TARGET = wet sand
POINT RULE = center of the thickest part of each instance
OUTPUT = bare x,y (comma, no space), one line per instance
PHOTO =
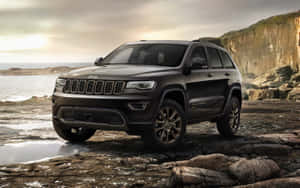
33,155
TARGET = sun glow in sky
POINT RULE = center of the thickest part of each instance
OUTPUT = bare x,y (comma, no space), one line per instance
15,43
81,31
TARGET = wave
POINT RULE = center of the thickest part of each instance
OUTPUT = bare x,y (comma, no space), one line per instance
25,99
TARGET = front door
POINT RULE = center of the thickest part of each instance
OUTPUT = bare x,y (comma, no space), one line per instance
205,86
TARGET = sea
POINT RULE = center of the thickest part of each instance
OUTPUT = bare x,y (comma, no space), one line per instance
21,88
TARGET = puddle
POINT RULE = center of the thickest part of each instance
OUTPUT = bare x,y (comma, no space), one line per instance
29,152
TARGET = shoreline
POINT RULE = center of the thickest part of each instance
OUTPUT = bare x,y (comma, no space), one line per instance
37,71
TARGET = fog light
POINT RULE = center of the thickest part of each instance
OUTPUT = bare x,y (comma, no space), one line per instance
138,106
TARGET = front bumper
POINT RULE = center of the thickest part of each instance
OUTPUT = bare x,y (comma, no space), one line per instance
105,112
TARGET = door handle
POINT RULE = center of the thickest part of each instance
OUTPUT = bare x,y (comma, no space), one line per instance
227,74
210,75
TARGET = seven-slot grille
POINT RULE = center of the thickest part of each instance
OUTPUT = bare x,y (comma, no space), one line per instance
94,87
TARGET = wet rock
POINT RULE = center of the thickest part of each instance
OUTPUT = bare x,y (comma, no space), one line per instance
293,174
275,183
213,162
264,149
294,94
202,177
296,77
260,94
250,171
284,138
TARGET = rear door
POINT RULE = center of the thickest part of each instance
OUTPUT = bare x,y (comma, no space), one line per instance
218,82
201,88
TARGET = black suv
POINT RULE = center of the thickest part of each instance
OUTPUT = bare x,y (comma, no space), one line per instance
152,89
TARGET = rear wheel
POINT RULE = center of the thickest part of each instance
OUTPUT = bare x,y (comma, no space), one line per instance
229,124
73,134
168,128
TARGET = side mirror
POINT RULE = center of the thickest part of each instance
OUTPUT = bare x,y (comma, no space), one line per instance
98,61
199,63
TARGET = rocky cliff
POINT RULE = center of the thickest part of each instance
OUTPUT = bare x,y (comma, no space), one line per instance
268,56
270,43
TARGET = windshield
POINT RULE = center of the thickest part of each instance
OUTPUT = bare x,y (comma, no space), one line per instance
147,54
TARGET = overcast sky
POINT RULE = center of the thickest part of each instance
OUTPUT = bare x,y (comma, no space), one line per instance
81,30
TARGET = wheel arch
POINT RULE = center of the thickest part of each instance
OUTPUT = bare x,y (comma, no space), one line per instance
234,91
175,93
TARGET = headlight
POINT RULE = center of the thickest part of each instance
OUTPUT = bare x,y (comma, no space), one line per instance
143,85
59,85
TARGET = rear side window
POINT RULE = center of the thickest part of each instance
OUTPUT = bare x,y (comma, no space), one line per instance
226,60
214,58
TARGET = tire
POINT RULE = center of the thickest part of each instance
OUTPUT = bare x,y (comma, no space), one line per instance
68,134
228,125
168,127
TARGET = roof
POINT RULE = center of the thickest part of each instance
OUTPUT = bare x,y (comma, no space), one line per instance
182,42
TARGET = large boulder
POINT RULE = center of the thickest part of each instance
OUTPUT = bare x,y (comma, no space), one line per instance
275,183
199,176
218,162
250,171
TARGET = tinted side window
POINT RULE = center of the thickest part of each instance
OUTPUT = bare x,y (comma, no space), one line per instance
214,58
226,60
199,52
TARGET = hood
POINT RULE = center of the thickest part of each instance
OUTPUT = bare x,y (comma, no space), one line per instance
121,70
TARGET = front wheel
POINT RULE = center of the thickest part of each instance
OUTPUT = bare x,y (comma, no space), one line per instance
169,126
229,124
73,134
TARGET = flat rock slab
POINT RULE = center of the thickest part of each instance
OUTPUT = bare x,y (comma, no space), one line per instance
285,138
216,161
275,183
250,171
199,176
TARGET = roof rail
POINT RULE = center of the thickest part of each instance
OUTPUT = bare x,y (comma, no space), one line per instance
215,41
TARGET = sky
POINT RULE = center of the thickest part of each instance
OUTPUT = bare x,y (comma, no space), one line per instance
82,30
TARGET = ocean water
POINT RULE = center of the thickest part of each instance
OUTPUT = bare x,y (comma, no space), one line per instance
5,66
20,88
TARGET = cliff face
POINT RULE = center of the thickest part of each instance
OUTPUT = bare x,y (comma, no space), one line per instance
270,43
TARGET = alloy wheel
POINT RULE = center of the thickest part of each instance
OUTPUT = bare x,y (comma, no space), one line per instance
168,125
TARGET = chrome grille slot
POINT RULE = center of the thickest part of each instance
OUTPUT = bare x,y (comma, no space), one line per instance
90,87
81,88
119,86
99,87
94,87
74,86
108,87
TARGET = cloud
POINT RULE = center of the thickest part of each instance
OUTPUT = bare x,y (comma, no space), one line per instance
87,29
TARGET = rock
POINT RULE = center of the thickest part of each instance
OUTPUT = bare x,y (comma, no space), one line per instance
275,183
201,177
293,174
294,94
264,149
218,162
260,94
250,171
296,77
284,73
284,138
